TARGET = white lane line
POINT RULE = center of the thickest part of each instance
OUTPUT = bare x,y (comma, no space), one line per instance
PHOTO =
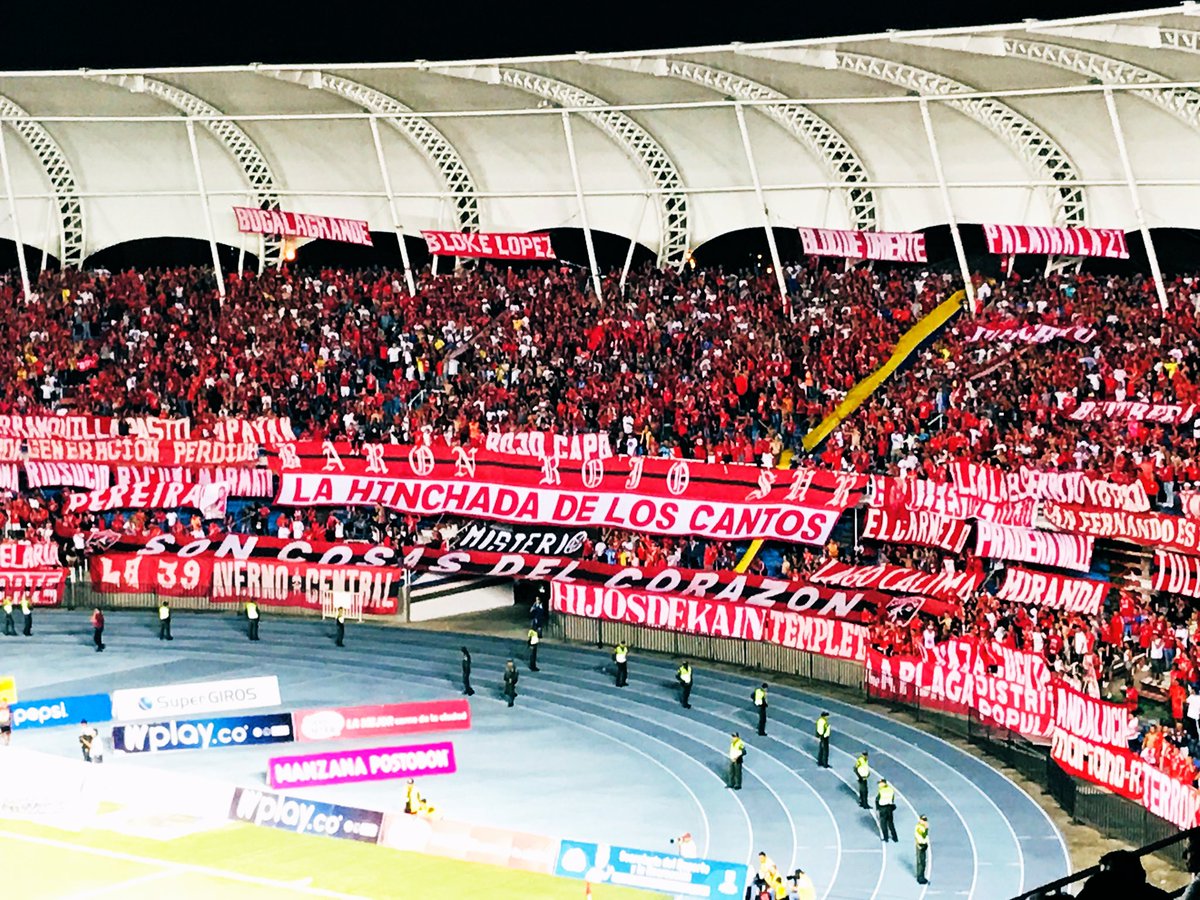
122,886
177,867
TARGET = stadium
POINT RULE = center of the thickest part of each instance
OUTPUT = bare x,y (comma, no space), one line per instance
753,469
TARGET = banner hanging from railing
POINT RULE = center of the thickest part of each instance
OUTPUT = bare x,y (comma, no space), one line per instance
493,245
923,528
82,475
1010,240
953,587
1130,410
128,452
1044,548
1150,529
242,482
1176,573
251,220
998,486
1079,595
889,246
1014,332
209,499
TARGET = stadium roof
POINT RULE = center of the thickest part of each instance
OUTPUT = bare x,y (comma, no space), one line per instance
671,146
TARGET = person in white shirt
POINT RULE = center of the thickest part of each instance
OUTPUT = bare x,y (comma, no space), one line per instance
1191,714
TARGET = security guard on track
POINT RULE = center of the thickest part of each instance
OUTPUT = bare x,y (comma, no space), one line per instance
737,754
341,626
885,802
252,619
164,621
760,702
621,656
862,771
27,612
823,731
924,860
684,676
10,627
534,639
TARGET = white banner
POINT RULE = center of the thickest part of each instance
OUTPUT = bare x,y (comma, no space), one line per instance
1052,591
182,700
1063,551
1042,333
9,478
998,486
547,506
1124,410
891,246
82,475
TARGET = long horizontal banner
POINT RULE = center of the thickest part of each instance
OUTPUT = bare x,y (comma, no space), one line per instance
1176,574
497,538
196,697
953,587
1090,717
242,482
84,475
1061,551
128,452
542,444
342,722
54,711
565,508
1014,332
1148,529
999,486
29,555
366,764
203,734
1126,410
921,495
43,587
489,245
94,428
1009,240
210,499
251,220
1079,595
1189,503
924,528
304,816
891,246
813,634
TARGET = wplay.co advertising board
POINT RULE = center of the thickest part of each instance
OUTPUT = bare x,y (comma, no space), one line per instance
650,870
367,764
374,721
305,816
197,697
61,711
203,734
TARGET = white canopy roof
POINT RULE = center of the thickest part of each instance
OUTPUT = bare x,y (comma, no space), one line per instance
835,129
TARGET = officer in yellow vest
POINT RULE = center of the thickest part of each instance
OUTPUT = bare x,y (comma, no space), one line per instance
862,771
885,802
27,612
823,732
414,803
341,626
164,621
684,676
924,860
621,656
10,627
737,754
534,639
252,619
760,703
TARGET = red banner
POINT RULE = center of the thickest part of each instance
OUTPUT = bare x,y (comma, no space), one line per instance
1125,410
29,555
813,634
1013,332
923,528
210,499
128,452
1189,503
953,587
1146,529
921,495
84,475
542,444
1090,718
124,573
1009,240
1062,551
1079,595
95,428
344,722
241,482
892,246
1176,574
490,246
251,220
999,486
43,587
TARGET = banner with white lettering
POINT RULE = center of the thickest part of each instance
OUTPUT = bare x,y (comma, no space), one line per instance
210,499
1127,410
83,475
242,482
1079,595
1014,332
998,486
891,246
1010,240
128,452
29,555
953,587
304,584
251,220
497,537
10,478
1148,529
1061,551
1176,574
921,495
43,587
95,428
1090,717
542,444
924,528
489,246
1189,503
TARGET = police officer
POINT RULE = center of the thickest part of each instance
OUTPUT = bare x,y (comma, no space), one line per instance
27,612
621,655
534,639
9,627
684,676
823,732
164,621
737,754
885,802
466,669
862,771
341,626
252,619
760,702
924,862
510,682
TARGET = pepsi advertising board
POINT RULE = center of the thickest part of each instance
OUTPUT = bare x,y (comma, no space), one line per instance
61,711
651,870
203,734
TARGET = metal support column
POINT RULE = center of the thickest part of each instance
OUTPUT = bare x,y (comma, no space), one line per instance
587,230
762,205
633,232
12,209
947,206
1136,198
391,198
212,237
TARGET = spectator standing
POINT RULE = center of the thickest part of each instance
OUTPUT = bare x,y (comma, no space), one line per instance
466,672
98,629
511,677
164,621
